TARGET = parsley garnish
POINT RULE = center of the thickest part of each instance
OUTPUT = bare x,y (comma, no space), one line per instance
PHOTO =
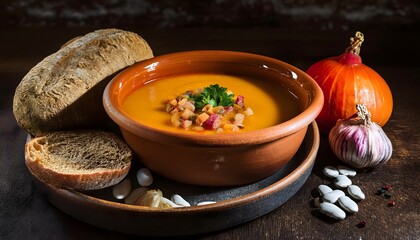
214,95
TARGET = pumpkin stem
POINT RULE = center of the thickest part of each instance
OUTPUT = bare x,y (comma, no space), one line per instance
363,113
355,43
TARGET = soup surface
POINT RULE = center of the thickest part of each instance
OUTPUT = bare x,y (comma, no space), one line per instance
270,103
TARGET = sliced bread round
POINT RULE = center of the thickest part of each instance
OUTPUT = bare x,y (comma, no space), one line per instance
79,160
64,90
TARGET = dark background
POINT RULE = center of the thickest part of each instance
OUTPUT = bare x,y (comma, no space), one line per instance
297,14
391,26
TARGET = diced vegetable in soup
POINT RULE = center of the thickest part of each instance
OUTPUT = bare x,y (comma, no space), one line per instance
212,108
210,103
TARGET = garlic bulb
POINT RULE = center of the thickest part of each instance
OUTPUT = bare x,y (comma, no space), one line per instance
359,142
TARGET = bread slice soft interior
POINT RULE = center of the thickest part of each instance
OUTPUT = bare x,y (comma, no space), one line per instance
79,160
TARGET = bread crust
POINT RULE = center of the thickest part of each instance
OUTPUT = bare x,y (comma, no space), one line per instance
57,172
65,89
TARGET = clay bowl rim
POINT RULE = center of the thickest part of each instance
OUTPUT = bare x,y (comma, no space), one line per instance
302,120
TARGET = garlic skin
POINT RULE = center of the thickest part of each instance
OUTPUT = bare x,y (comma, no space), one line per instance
359,142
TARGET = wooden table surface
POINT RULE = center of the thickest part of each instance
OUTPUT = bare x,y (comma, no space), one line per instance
393,53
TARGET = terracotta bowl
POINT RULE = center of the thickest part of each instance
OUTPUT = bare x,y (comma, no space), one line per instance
220,159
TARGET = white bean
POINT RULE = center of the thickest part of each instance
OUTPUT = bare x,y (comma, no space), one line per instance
206,203
180,201
331,171
333,196
332,200
342,181
134,195
122,189
170,203
347,204
324,189
355,192
332,210
343,170
144,177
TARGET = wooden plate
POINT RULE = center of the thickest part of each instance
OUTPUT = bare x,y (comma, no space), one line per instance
235,205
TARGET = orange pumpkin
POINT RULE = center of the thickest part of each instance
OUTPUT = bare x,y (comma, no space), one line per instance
345,82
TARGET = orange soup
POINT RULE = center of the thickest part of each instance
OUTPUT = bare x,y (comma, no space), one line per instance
270,103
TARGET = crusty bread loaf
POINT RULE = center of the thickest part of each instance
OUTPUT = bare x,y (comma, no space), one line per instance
79,160
65,89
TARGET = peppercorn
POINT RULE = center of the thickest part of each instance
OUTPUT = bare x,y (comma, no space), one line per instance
361,224
380,191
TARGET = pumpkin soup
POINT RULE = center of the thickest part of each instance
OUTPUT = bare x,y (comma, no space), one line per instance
267,104
211,108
